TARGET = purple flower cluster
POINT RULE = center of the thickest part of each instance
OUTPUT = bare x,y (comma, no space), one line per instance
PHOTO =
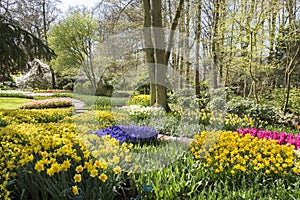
281,137
132,134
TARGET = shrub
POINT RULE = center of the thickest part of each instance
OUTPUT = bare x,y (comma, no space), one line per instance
242,106
142,100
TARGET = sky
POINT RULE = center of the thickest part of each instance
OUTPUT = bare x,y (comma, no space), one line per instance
65,4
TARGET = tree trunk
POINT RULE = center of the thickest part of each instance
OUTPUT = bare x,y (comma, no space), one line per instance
215,43
150,61
197,40
287,92
186,43
159,54
46,41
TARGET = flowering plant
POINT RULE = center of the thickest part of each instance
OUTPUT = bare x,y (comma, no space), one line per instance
47,103
39,94
86,167
51,91
131,134
137,112
232,153
143,100
281,137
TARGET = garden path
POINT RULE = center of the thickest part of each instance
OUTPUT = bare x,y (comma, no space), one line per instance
79,106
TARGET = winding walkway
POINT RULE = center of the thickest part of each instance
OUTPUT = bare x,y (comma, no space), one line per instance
79,106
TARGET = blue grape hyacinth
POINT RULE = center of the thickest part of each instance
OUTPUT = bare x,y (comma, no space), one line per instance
131,134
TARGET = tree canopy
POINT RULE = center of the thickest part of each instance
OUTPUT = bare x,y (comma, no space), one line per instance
18,46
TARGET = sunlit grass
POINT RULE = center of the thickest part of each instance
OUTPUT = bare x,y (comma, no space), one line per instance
12,103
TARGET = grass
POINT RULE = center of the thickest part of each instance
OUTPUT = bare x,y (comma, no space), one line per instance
12,103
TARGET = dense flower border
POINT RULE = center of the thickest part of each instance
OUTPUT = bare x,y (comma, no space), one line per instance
281,137
233,153
51,91
48,103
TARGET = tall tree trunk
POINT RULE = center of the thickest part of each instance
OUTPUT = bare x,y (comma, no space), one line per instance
46,41
186,43
197,40
150,61
292,50
159,54
287,92
214,49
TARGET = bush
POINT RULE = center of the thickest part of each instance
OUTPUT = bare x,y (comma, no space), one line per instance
142,100
294,100
242,106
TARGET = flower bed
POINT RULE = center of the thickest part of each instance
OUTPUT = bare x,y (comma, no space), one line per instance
34,116
142,100
52,91
131,134
37,157
48,103
281,137
234,153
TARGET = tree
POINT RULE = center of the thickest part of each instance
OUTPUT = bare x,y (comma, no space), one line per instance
162,48
18,46
73,39
288,55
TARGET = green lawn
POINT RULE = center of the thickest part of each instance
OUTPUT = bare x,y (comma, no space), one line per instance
12,103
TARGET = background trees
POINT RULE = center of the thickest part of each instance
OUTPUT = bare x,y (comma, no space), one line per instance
23,37
18,46
250,46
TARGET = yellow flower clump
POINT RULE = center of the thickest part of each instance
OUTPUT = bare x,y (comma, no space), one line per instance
234,153
35,115
52,149
143,100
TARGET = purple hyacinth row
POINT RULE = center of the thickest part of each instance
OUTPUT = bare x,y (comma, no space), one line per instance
281,137
132,134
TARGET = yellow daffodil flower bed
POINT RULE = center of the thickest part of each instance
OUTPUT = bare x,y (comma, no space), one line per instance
35,115
230,153
143,100
54,161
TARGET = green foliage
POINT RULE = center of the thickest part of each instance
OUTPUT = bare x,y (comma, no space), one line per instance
186,178
71,40
278,97
142,100
242,106
18,46
18,95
